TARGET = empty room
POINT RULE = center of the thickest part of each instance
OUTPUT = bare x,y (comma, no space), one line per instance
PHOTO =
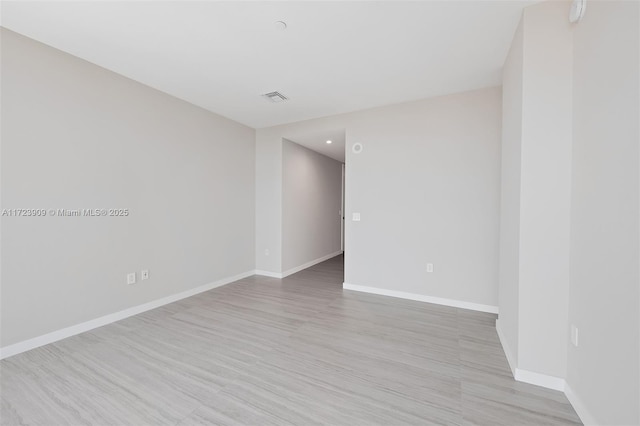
320,212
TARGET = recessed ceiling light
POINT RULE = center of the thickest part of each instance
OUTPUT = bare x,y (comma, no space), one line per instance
280,25
328,141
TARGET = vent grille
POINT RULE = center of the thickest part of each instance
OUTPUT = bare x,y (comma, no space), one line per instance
275,97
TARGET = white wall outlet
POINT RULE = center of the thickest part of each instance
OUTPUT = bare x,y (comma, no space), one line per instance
429,267
574,335
266,252
131,278
144,274
355,217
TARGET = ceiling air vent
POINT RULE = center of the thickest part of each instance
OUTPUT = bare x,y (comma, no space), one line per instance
276,97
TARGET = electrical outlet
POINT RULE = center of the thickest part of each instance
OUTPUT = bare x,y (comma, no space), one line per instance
429,267
131,278
574,335
266,252
144,274
355,217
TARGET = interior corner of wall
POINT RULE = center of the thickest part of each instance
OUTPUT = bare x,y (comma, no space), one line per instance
511,356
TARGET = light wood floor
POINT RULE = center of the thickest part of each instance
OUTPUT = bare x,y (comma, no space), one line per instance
265,351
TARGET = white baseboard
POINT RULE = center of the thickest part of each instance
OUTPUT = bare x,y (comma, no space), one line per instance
310,264
581,409
422,298
54,336
297,268
526,376
506,349
546,381
538,379
268,273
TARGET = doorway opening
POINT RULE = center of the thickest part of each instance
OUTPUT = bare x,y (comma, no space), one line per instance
313,201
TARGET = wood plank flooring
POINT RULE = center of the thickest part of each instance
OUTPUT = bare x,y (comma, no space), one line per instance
265,351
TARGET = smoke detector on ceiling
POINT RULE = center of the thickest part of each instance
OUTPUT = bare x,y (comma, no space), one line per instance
275,97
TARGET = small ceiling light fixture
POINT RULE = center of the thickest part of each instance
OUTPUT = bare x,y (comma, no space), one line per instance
328,141
275,97
578,8
280,25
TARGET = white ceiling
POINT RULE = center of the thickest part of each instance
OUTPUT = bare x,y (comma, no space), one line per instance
334,57
317,141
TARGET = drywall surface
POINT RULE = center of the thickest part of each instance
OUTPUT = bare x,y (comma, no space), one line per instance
536,189
268,257
76,136
603,370
509,262
427,186
545,189
311,203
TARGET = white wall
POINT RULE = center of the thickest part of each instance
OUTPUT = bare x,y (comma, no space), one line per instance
604,371
535,219
268,256
509,260
427,187
78,136
311,203
579,217
545,189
